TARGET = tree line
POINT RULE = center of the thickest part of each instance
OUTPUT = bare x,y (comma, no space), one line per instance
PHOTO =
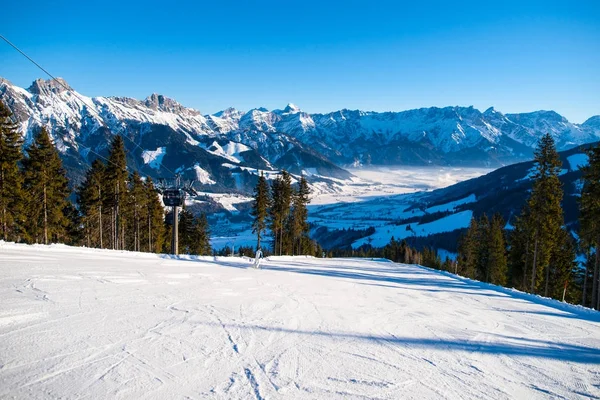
281,209
112,208
538,255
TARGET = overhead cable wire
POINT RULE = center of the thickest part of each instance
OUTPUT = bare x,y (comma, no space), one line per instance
70,90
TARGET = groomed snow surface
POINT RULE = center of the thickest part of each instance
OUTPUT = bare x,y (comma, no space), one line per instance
80,323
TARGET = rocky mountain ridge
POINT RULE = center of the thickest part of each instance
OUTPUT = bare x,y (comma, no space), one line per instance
165,136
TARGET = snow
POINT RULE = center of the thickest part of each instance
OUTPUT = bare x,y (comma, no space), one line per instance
104,324
154,157
230,151
576,161
203,176
383,233
384,181
452,205
532,171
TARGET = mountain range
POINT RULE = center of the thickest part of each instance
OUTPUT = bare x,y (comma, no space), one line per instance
225,151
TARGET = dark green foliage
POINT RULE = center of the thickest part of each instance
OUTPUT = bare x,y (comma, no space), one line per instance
540,248
590,223
519,255
281,189
483,249
47,191
153,235
299,217
468,251
431,259
11,180
90,199
194,237
260,208
496,270
116,192
136,210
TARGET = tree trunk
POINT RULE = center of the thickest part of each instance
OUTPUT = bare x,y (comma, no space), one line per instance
45,217
100,216
525,265
149,232
547,280
4,225
585,276
596,288
4,233
534,266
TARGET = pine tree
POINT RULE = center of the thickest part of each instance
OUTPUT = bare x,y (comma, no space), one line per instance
299,217
497,264
194,235
281,189
468,251
116,191
137,210
154,228
482,270
562,266
186,232
202,232
260,208
519,255
590,218
89,199
47,190
542,217
11,181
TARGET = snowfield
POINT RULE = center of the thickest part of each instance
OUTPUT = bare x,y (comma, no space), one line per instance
81,323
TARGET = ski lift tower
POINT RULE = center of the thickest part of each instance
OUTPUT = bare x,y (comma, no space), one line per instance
174,194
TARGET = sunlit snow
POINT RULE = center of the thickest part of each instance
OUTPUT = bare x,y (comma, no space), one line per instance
79,323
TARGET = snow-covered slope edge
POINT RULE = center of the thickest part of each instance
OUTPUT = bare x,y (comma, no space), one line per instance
77,322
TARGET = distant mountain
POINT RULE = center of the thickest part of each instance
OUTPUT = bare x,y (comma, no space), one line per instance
225,151
222,152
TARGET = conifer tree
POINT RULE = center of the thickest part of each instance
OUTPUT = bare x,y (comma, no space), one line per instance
202,231
89,199
562,266
497,264
186,232
468,250
519,240
281,190
260,208
483,249
137,210
590,218
194,235
542,217
116,191
11,181
299,217
46,186
155,226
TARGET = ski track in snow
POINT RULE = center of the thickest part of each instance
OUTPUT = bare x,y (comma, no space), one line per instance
82,323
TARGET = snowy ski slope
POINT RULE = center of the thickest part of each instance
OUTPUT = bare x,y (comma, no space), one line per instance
79,323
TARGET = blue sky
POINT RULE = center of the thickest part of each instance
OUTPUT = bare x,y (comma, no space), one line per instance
323,56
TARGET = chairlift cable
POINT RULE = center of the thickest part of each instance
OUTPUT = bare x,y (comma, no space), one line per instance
101,120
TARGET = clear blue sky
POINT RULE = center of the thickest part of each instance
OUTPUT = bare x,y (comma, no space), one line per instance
517,56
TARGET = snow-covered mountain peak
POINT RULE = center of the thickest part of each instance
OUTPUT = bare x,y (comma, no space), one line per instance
593,122
162,103
47,87
491,112
229,113
291,108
